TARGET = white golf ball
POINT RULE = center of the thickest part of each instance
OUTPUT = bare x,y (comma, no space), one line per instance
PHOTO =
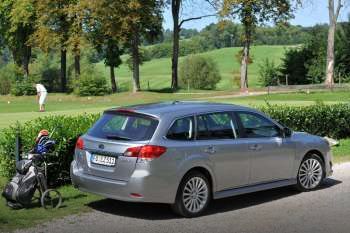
8,102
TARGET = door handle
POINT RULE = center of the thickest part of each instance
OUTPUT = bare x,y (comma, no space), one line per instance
210,150
255,147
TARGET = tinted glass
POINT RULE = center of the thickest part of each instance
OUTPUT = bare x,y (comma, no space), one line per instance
216,126
182,129
128,127
256,126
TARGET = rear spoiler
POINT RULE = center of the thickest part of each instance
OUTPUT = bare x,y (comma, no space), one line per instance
129,112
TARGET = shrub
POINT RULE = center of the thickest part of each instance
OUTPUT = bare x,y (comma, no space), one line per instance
46,70
91,83
320,119
67,130
268,73
5,86
294,65
8,75
24,87
199,72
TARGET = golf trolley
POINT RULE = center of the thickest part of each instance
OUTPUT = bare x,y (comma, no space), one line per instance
31,178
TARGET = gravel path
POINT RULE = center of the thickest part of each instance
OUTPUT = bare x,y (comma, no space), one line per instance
279,210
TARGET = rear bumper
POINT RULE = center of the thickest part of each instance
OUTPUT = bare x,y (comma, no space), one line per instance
147,187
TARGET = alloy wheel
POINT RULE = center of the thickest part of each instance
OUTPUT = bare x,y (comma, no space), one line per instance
310,173
195,194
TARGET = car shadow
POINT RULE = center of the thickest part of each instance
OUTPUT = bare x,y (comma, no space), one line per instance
154,211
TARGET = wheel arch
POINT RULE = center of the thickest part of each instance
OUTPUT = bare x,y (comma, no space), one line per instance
205,171
316,152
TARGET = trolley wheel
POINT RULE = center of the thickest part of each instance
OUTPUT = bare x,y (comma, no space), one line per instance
51,199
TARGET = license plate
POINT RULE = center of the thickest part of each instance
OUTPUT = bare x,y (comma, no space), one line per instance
103,160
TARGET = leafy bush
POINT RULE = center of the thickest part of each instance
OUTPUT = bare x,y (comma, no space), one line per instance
268,73
45,69
5,86
91,83
294,65
199,72
24,87
320,119
8,75
67,130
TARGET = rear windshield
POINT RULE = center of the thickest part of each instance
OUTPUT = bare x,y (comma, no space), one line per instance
127,127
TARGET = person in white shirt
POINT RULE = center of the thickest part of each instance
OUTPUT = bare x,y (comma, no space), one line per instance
41,96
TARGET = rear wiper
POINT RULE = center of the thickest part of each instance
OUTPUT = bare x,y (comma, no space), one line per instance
116,137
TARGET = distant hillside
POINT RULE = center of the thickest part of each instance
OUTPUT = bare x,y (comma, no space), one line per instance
158,71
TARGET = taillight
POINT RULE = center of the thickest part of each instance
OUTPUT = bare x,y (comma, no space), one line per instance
145,152
80,144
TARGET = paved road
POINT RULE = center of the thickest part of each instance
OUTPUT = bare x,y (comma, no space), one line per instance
279,210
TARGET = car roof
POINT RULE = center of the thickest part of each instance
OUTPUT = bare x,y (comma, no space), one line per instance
180,108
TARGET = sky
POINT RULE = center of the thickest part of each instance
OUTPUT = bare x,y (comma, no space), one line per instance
309,15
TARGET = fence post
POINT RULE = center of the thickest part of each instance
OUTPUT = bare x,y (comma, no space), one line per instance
286,79
18,145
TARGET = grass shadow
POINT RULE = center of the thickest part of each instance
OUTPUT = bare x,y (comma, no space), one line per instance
162,90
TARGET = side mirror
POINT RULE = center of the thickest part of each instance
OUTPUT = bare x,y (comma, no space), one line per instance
287,132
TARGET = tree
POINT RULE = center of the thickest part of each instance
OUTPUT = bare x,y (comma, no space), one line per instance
111,52
126,22
76,16
333,17
54,31
16,26
176,6
251,13
144,18
104,40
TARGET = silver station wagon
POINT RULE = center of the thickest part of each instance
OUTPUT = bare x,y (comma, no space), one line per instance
188,153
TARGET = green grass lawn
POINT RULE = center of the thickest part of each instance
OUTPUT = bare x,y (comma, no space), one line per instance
74,202
158,71
341,153
25,108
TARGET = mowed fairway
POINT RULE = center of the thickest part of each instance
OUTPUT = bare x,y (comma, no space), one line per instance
157,72
21,109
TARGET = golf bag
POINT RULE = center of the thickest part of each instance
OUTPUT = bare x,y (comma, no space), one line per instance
20,190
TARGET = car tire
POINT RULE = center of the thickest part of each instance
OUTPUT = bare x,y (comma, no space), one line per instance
310,173
193,195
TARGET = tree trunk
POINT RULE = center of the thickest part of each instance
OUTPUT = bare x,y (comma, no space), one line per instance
77,65
333,17
136,62
175,7
330,57
26,59
244,67
113,82
63,70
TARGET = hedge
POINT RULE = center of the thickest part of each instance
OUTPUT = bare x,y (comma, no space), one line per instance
67,130
320,119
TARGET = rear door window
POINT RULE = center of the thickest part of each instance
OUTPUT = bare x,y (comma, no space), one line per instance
216,126
182,129
127,127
